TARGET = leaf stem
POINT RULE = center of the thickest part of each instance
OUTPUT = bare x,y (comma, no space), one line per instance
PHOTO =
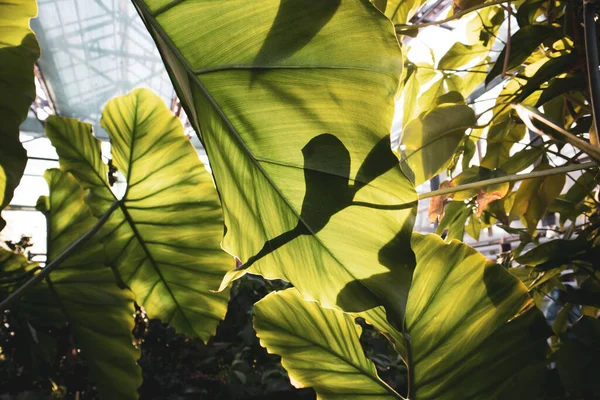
51,266
401,28
591,56
509,178
527,114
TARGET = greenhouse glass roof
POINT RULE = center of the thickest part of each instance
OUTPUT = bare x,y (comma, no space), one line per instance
93,50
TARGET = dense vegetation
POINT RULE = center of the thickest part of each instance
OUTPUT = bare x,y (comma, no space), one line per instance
293,263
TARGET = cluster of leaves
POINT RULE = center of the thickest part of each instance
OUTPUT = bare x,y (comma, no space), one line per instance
231,365
295,117
542,66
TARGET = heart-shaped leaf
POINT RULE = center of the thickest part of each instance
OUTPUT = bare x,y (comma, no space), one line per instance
295,115
164,236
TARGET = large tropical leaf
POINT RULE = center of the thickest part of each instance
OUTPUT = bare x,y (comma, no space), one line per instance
320,348
83,292
19,51
164,239
294,102
471,332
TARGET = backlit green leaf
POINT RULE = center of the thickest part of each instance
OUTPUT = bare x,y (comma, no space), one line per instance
430,140
501,138
554,67
523,43
320,348
455,217
461,54
472,332
534,196
164,237
521,160
569,203
295,115
19,51
83,292
401,11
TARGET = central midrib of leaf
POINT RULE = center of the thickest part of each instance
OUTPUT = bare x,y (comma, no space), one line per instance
192,73
135,230
131,222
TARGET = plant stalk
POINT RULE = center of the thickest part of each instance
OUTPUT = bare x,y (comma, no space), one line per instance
591,56
509,178
401,28
51,266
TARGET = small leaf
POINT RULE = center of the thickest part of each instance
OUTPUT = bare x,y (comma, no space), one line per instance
569,204
455,217
523,43
469,151
528,12
436,204
501,138
460,55
473,227
401,11
411,91
554,67
19,50
558,86
561,322
380,4
555,253
521,160
534,196
431,139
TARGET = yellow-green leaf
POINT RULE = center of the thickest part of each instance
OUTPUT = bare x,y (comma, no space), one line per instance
294,101
19,51
535,195
401,11
84,293
472,331
430,140
501,137
320,348
164,237
455,217
460,54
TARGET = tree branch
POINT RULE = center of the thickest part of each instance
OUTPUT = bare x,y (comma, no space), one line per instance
509,178
401,28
